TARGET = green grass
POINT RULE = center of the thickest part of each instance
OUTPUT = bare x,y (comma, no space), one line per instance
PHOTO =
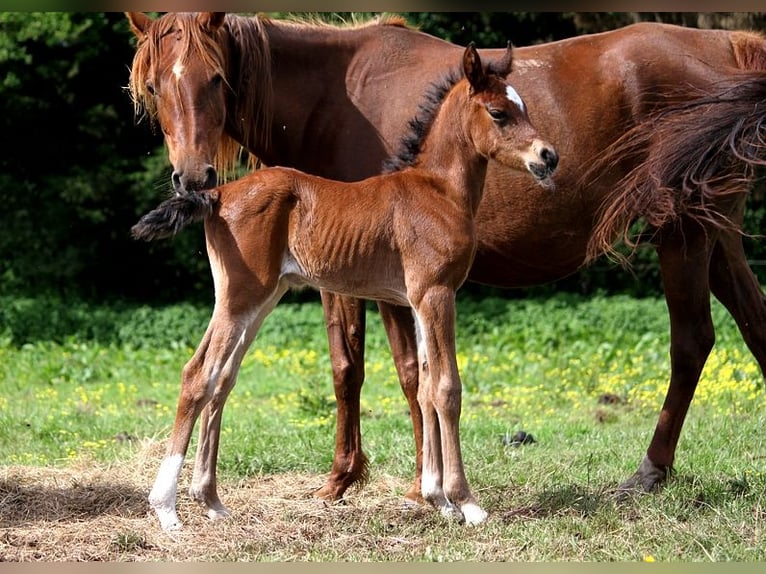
97,381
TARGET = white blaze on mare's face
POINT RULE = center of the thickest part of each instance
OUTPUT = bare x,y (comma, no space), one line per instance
178,69
514,96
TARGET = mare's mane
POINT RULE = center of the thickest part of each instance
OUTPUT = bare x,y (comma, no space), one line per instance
240,53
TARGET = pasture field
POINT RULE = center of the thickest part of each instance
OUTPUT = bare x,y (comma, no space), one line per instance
88,398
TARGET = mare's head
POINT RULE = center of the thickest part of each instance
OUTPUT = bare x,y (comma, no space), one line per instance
181,78
498,123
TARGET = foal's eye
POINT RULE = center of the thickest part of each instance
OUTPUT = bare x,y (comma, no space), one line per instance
216,80
497,114
150,87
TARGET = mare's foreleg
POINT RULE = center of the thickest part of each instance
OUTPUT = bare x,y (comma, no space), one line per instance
345,323
400,328
684,262
444,483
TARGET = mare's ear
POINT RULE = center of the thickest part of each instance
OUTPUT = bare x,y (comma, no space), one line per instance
472,67
139,23
211,21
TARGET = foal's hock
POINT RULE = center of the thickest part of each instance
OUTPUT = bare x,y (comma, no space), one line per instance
409,240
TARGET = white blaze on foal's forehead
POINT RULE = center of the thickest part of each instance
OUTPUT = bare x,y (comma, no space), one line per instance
178,69
514,96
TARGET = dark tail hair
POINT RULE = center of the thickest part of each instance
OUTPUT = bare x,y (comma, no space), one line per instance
173,214
693,154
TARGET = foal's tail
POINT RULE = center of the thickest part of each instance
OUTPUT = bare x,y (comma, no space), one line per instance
173,214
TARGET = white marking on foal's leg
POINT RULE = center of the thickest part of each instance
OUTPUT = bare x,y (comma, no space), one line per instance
434,493
473,514
163,494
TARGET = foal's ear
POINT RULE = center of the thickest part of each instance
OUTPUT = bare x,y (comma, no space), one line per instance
139,23
504,66
211,21
472,67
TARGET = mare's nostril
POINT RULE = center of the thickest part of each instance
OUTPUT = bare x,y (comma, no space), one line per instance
211,177
176,180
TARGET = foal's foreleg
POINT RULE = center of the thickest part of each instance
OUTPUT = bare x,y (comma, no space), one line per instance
441,404
207,379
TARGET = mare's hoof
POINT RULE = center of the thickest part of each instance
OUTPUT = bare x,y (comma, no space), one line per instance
648,478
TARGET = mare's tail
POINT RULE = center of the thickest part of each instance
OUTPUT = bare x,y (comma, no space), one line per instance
689,157
173,214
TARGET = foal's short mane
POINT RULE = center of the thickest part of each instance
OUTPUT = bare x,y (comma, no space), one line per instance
410,144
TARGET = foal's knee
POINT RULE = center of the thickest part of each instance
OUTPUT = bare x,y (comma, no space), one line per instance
447,396
195,390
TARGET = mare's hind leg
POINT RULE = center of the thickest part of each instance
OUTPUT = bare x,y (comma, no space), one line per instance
684,262
203,486
444,481
737,288
400,329
345,322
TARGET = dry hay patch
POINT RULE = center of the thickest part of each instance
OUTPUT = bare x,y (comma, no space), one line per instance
95,512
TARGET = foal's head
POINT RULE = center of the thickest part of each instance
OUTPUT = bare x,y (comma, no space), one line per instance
478,102
498,122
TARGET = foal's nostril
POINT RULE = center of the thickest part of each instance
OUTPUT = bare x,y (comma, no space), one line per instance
550,157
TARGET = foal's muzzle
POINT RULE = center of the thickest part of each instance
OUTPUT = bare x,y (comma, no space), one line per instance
547,161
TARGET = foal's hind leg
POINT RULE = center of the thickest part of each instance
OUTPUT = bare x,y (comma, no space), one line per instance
684,261
400,329
207,379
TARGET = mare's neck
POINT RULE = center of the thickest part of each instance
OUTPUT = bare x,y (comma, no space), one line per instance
307,64
449,153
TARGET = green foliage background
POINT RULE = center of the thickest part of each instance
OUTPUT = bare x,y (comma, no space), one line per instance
76,171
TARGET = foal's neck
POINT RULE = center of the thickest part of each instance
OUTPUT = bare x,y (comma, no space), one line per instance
448,151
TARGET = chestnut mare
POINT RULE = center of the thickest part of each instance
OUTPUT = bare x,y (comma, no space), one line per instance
409,240
334,101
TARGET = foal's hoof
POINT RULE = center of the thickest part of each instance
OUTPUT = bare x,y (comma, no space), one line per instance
168,518
473,514
413,498
219,513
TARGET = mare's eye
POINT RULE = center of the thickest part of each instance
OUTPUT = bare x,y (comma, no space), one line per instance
216,81
497,114
150,87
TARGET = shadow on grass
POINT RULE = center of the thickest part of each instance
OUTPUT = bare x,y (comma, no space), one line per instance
25,503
